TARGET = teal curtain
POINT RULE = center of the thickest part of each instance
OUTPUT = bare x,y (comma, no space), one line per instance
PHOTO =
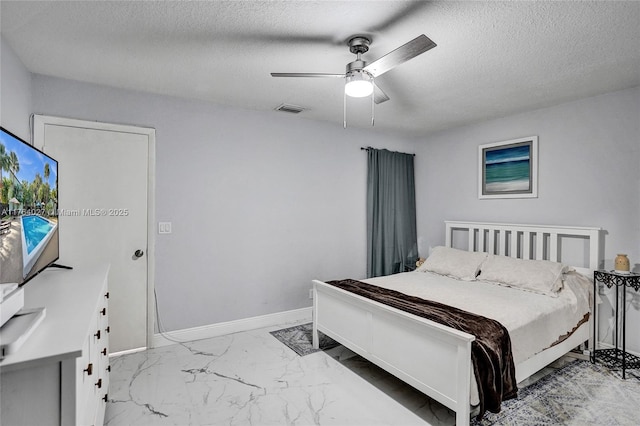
391,213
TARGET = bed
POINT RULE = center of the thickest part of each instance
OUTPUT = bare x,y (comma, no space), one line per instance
436,359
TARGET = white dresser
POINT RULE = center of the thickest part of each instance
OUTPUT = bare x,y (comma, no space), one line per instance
60,375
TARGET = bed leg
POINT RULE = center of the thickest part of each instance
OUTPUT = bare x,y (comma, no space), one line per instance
460,420
463,406
463,416
315,337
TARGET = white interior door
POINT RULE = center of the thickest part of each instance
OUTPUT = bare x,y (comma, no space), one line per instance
104,187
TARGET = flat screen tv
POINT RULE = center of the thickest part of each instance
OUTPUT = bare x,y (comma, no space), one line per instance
28,210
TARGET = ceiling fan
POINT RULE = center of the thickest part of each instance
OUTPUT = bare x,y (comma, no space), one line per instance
359,76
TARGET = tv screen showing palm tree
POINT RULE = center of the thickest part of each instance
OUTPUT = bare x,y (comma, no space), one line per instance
28,209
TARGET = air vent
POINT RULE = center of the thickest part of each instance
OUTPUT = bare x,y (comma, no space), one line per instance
293,109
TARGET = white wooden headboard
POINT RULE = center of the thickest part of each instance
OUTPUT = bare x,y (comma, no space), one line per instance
540,242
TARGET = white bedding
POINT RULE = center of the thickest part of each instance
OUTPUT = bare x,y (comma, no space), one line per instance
534,321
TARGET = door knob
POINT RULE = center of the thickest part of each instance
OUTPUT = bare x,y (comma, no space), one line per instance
138,253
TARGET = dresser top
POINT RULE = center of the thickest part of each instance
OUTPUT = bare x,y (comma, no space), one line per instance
71,299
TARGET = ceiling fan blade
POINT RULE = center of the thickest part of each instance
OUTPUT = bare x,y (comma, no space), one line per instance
378,95
304,74
402,54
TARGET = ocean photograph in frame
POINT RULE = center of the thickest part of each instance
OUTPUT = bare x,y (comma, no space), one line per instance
508,169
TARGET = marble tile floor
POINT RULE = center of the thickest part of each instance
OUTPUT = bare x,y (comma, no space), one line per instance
250,378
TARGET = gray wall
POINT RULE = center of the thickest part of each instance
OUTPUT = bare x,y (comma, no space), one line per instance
261,202
589,175
15,93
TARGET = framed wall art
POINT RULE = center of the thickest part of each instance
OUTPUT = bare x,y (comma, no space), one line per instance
508,169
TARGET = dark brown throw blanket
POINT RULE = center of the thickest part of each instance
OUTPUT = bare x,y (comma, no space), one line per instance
490,353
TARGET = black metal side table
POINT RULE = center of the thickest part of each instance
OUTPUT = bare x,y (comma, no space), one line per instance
615,357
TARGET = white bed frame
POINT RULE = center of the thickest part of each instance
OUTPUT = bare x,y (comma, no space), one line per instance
431,357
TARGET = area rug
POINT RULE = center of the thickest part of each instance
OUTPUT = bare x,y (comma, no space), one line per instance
580,393
299,339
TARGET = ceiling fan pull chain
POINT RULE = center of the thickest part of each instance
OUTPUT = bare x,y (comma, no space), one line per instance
373,104
344,110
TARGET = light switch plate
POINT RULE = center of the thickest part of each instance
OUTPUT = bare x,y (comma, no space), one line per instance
164,227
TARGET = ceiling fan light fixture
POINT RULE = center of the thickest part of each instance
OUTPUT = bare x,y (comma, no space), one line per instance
358,84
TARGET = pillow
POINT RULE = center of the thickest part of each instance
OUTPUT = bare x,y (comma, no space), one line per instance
538,276
460,264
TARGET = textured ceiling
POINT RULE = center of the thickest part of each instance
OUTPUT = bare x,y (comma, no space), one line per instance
492,58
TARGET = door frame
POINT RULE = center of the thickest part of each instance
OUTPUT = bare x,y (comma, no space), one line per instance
38,128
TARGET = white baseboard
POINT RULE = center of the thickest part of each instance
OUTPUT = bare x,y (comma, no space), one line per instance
220,329
127,352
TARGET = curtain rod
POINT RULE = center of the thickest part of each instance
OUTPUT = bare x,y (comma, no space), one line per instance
367,148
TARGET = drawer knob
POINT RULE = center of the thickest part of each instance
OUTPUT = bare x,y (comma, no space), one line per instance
108,329
109,368
103,311
105,397
99,383
97,334
89,369
104,351
106,295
